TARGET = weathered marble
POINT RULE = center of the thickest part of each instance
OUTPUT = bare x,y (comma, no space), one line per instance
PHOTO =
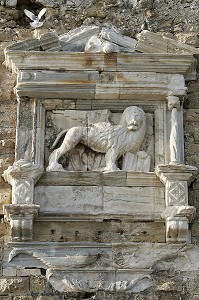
21,220
94,39
75,40
113,140
125,43
63,91
93,267
22,176
123,202
176,137
49,41
151,42
88,178
177,214
139,162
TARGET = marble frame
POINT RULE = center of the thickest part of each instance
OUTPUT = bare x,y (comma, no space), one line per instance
59,80
89,81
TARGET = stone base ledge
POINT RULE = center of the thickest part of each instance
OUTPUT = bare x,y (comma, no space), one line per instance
88,178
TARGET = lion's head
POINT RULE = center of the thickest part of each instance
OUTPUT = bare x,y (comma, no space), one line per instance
133,117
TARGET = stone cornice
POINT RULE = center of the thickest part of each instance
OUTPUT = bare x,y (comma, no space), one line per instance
99,75
17,60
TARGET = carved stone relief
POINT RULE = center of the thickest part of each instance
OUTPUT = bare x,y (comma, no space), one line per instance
96,130
100,110
21,218
177,193
110,267
101,280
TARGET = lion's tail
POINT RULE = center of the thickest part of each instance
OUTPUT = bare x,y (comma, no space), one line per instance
58,138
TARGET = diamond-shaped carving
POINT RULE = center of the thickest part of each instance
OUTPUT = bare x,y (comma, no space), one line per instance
177,193
23,191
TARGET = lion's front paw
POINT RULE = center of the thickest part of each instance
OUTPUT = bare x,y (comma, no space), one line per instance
111,168
53,167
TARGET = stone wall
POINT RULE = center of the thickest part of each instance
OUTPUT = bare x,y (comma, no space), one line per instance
175,19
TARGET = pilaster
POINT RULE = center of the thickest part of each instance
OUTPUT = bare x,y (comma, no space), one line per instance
178,213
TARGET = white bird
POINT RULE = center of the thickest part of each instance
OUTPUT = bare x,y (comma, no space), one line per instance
35,19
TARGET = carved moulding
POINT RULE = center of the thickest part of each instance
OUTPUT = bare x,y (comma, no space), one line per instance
109,267
176,176
92,281
147,87
82,267
152,85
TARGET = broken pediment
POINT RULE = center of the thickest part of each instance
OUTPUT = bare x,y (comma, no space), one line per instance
93,39
151,42
85,38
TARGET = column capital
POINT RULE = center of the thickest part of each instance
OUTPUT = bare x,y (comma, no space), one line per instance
173,102
22,169
179,172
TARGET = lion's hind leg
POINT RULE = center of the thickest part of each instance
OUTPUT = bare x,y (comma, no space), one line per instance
53,162
71,139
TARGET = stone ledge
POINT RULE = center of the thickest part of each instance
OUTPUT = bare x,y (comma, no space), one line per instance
118,178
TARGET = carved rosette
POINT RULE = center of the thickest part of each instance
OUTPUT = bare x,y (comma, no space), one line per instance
178,213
